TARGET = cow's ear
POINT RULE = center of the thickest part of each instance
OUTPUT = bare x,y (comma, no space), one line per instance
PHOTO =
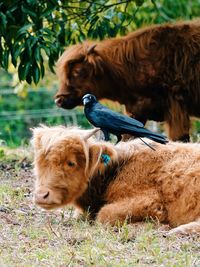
94,157
36,140
91,49
101,156
96,64
37,136
108,155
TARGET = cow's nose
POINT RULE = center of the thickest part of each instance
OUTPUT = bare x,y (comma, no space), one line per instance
41,197
59,101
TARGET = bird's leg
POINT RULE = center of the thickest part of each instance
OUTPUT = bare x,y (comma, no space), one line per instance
119,138
106,135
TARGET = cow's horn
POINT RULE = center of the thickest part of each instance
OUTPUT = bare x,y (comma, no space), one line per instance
90,133
91,49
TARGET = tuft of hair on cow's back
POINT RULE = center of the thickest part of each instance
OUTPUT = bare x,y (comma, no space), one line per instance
154,71
125,182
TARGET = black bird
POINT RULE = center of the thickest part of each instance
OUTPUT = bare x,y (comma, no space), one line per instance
116,123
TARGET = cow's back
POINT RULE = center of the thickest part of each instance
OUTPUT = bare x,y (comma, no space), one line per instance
172,172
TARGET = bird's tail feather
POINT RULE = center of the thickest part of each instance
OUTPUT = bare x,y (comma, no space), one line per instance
147,144
159,138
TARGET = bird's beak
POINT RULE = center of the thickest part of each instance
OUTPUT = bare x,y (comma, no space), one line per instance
85,101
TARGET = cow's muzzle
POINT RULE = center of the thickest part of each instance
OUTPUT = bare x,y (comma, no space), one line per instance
42,197
67,102
46,199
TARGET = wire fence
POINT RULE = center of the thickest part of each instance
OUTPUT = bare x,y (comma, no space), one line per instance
15,123
40,113
17,119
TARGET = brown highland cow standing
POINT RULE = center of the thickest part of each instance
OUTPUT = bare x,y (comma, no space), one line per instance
115,183
154,71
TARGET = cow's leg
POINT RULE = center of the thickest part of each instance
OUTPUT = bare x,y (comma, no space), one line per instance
178,123
133,209
184,229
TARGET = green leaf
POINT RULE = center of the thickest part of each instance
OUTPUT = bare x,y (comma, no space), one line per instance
16,51
46,49
29,78
37,53
36,73
42,69
26,69
48,31
61,34
29,12
47,12
51,63
32,2
3,20
1,53
13,59
5,59
23,70
30,42
33,41
24,29
139,2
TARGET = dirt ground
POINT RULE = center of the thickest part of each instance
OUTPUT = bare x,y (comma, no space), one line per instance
30,236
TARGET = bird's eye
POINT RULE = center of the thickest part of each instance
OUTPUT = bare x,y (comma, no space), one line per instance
70,163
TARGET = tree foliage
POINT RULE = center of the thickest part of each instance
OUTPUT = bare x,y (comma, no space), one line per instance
32,31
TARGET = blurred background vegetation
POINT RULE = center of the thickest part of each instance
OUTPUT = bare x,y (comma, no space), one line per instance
33,34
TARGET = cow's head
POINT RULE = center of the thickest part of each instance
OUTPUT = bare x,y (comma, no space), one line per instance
64,161
79,70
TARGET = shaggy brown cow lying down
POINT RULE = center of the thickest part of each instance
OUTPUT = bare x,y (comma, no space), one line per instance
153,71
115,183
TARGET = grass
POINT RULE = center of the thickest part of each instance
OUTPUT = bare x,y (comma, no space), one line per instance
33,237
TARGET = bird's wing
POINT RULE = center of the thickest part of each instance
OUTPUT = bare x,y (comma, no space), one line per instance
104,117
113,122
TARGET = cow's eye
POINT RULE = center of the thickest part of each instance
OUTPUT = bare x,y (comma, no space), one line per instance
70,163
79,72
76,73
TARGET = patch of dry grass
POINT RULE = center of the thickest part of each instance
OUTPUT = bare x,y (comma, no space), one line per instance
32,237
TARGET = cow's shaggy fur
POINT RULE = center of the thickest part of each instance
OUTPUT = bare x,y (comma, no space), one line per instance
135,184
153,71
